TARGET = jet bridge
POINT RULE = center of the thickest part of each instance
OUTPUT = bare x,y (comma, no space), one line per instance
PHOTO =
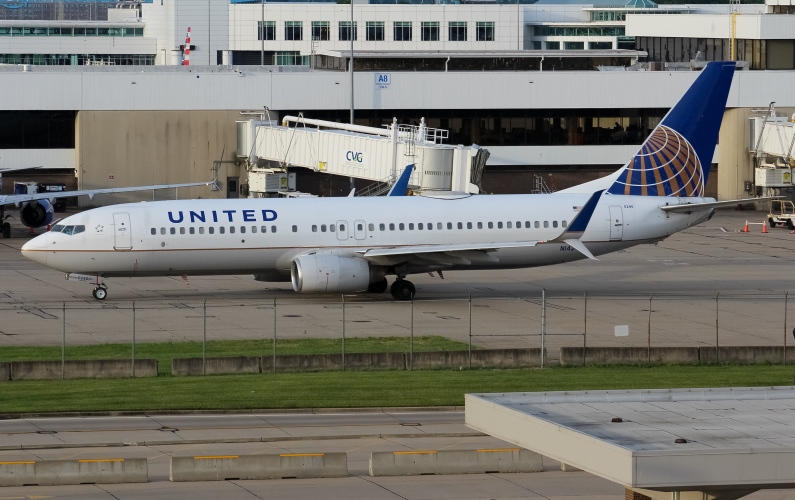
375,154
771,144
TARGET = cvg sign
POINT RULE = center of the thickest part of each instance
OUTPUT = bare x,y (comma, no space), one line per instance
354,159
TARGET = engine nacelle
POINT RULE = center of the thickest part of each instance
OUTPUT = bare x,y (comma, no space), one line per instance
332,274
36,213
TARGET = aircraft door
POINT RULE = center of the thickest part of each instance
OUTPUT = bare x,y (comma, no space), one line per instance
616,223
359,230
122,233
342,230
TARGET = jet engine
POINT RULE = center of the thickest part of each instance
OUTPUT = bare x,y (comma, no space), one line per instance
332,274
36,213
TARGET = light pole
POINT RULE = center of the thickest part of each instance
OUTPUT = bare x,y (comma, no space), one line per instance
353,33
262,33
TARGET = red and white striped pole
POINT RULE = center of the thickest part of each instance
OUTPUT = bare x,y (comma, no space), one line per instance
186,56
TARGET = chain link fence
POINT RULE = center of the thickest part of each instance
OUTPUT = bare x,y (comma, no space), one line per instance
547,323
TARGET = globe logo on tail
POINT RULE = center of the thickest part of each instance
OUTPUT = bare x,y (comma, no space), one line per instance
666,165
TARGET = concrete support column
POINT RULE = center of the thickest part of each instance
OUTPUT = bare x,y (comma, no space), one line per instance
634,495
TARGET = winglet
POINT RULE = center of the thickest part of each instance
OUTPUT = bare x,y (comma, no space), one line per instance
402,184
571,236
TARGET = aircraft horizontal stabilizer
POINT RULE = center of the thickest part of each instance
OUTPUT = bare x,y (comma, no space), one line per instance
690,207
580,247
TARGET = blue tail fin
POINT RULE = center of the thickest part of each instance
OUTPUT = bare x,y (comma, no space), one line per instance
402,184
676,158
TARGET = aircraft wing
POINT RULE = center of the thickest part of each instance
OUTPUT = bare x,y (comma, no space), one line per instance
461,254
21,198
4,170
689,207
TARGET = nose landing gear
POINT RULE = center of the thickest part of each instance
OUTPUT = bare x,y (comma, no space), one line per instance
402,289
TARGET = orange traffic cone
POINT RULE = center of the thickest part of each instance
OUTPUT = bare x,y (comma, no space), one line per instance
746,227
764,227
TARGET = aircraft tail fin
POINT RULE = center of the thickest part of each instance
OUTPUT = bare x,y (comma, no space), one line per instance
402,184
676,158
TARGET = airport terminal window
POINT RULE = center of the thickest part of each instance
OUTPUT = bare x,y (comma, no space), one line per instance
154,231
345,31
552,45
321,30
574,45
484,31
457,31
295,229
266,30
429,31
374,31
293,30
402,31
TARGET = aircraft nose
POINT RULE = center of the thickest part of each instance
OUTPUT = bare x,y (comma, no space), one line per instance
36,249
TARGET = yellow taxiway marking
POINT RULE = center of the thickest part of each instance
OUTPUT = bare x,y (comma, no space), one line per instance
9,463
104,460
505,449
220,456
302,455
410,452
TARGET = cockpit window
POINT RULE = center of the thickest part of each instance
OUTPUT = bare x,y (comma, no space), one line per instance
70,230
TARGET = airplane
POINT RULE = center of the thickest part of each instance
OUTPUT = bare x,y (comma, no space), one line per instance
36,210
350,245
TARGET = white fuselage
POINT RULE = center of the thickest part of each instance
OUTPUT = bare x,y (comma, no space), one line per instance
242,236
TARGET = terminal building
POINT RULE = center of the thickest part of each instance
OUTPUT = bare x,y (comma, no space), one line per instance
559,92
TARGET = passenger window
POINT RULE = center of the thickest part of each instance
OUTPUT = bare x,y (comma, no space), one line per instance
253,229
527,224
499,225
332,228
154,231
314,228
231,229
439,226
242,229
469,225
430,226
411,226
295,229
401,226
381,227
263,229
79,229
391,226
509,225
460,225
193,230
419,226
182,230
221,230
342,227
518,224
554,223
480,225
173,230
370,227
162,230
211,229
273,229
201,230
491,225
565,224
546,224
536,224
323,228
449,225
360,227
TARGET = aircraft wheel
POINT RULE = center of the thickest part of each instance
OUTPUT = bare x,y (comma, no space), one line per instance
403,290
790,225
771,223
6,230
378,286
100,293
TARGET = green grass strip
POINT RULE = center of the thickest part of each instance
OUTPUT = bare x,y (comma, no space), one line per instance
360,389
166,351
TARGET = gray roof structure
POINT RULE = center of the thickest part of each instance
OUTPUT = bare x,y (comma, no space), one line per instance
664,440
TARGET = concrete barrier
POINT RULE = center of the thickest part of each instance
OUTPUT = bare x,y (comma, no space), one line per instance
5,371
93,368
486,358
55,472
410,463
296,465
747,354
356,360
627,355
215,366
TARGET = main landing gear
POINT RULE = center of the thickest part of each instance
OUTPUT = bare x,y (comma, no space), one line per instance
402,289
6,230
100,292
378,286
